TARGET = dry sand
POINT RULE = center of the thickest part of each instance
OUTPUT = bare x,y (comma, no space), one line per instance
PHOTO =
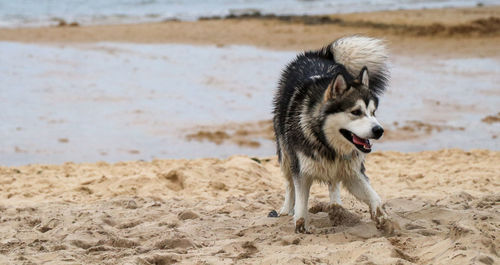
211,211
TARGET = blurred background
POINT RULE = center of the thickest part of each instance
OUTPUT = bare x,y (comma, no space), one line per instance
86,81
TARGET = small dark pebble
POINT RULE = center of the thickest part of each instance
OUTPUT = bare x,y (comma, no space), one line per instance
272,213
256,160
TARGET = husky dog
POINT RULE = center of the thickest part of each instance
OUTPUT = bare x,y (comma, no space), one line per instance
324,118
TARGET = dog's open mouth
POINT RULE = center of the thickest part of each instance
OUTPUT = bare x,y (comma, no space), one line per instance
362,144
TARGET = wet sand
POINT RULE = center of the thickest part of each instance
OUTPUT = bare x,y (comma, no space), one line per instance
85,102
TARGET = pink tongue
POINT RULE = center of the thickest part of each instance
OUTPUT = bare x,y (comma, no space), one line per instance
365,143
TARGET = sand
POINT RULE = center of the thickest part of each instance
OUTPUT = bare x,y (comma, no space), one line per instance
210,211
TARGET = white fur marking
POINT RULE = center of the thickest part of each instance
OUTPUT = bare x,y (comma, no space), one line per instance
363,126
331,128
334,190
365,80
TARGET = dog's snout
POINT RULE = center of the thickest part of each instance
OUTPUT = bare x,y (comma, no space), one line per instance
377,131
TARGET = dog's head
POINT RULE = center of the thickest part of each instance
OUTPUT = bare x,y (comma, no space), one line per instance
348,112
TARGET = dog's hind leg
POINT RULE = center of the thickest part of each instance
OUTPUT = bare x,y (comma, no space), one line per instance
302,186
334,190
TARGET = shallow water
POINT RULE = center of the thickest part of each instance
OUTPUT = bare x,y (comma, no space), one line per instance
85,12
113,101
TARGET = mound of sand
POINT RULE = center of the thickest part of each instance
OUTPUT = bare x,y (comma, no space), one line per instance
211,211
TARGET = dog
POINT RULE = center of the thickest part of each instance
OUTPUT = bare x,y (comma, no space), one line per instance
324,119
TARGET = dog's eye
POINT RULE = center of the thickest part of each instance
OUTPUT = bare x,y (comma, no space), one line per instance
356,112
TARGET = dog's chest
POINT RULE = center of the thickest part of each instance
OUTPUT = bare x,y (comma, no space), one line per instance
325,170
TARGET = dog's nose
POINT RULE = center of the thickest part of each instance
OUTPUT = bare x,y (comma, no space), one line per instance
377,131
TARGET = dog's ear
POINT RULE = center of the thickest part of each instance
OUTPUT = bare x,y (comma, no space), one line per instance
336,88
363,76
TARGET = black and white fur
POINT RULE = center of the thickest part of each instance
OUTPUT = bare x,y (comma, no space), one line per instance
324,114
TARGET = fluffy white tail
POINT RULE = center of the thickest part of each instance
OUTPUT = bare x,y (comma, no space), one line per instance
355,52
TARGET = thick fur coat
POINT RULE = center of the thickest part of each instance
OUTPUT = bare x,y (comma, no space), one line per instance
324,118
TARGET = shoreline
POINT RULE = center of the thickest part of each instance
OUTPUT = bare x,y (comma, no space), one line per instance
466,32
8,169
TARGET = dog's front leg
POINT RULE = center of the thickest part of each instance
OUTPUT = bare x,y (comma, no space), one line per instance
360,187
288,204
334,190
302,186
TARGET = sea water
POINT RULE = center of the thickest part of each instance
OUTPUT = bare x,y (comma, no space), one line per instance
116,101
23,13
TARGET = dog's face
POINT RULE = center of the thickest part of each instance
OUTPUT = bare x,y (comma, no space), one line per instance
349,115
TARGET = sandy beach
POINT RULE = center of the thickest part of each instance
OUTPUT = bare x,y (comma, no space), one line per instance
210,211
446,203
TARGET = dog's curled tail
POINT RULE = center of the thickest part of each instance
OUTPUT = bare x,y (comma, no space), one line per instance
356,52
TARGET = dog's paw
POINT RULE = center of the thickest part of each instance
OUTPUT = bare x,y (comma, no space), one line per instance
389,227
378,214
300,226
285,212
382,221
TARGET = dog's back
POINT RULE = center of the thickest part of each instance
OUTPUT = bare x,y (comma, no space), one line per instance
294,87
295,79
